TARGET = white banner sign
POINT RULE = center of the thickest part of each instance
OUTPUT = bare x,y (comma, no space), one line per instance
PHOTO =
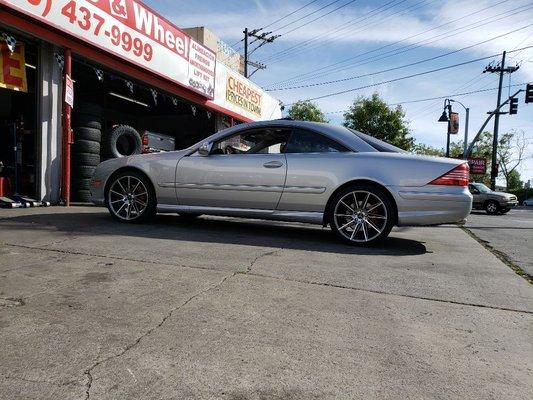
132,31
236,93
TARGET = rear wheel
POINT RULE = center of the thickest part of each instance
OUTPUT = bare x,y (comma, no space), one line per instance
492,207
361,214
131,198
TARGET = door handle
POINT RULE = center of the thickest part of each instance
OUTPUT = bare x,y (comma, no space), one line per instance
273,164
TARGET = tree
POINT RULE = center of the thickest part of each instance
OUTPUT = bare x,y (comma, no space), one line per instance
304,110
371,115
511,151
514,182
426,150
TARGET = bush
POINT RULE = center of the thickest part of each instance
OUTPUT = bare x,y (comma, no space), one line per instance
522,194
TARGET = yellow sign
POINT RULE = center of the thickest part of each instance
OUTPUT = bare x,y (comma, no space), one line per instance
243,95
13,68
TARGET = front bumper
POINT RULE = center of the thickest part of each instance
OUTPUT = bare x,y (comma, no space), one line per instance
508,204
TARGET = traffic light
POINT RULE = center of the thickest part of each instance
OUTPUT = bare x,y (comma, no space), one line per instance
513,107
529,93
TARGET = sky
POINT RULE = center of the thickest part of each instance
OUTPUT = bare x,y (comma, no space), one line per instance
346,40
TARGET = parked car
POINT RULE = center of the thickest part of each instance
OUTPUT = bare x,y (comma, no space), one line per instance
528,202
291,171
490,201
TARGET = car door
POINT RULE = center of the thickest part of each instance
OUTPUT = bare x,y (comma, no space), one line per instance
477,197
309,158
245,171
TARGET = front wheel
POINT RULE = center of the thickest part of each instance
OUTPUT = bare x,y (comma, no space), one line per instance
131,198
492,208
361,214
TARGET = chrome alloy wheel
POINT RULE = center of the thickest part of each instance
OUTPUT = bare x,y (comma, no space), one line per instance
492,207
128,198
360,216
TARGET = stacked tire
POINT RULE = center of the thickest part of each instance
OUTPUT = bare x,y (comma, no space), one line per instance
87,127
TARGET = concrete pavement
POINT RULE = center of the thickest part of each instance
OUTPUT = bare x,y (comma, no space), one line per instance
511,234
222,308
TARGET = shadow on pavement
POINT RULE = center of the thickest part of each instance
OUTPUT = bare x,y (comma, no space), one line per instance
212,230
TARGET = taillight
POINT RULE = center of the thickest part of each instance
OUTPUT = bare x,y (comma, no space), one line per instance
459,176
145,140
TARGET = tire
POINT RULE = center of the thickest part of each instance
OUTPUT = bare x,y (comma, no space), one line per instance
83,196
87,121
492,207
86,146
83,171
81,184
131,210
352,223
86,159
85,133
505,210
122,141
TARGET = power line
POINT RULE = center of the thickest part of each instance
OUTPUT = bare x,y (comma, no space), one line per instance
401,66
337,31
307,15
288,15
435,98
407,76
317,18
328,68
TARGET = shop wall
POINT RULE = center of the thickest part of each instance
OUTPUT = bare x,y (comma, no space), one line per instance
49,134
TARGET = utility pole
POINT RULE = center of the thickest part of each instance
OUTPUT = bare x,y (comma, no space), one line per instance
500,69
263,38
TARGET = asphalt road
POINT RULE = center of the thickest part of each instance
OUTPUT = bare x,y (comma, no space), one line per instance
511,234
222,308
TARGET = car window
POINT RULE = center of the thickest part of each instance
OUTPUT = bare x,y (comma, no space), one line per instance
259,141
303,141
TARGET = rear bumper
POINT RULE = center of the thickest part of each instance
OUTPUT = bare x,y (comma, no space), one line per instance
433,205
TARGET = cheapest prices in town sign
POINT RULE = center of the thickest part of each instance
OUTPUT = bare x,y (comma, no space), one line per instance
132,31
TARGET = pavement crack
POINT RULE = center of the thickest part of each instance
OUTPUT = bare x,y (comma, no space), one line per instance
88,371
375,291
249,268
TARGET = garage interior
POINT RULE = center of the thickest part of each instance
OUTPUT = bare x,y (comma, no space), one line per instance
115,117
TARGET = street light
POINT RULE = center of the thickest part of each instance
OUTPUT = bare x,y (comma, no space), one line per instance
445,117
465,144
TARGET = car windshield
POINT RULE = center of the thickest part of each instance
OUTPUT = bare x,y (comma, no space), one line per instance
481,187
377,144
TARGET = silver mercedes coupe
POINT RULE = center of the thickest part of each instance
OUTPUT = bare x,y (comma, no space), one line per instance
290,171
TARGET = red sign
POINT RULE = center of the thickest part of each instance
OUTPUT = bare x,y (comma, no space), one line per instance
132,31
478,166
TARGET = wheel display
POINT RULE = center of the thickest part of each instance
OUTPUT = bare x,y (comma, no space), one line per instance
86,146
361,214
122,141
87,133
87,123
492,207
130,197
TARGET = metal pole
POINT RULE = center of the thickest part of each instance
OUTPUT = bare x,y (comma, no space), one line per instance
448,135
465,146
67,132
245,52
496,128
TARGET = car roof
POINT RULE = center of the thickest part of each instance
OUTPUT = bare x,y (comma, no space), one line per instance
338,133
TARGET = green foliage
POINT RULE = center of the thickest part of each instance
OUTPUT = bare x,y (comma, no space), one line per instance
522,194
426,150
371,115
513,180
306,111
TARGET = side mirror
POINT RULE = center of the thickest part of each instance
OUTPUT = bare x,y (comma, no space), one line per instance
205,149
